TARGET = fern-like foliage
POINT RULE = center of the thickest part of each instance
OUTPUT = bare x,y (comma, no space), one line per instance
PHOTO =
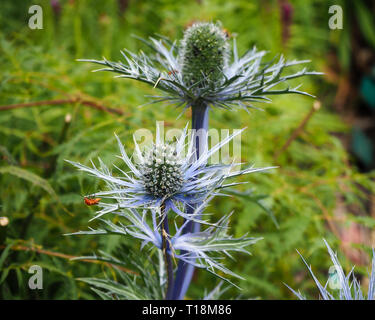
138,276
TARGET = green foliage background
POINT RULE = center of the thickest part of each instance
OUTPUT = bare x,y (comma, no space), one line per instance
41,194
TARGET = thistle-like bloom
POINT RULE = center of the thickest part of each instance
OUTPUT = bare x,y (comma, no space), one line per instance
199,71
164,175
347,290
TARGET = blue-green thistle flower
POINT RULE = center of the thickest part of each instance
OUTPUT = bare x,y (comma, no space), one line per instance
164,175
200,72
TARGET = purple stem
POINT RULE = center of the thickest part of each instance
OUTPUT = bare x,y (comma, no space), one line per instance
184,270
164,233
168,259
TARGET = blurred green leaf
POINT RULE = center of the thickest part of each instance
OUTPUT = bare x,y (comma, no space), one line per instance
30,177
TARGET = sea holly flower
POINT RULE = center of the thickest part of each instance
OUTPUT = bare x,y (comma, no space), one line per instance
164,175
200,72
346,289
163,179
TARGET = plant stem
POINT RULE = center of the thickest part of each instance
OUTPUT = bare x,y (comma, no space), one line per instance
88,103
164,231
299,129
200,115
37,248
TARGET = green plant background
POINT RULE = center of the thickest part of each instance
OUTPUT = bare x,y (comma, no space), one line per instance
41,194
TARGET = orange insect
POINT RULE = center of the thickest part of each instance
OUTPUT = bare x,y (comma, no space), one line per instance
91,201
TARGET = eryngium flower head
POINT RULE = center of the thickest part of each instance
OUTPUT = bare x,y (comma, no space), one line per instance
187,76
164,175
204,54
161,171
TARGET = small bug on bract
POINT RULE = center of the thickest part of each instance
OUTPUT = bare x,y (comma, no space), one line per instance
91,201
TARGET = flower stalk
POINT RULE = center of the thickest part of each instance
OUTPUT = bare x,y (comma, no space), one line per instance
204,56
200,116
166,248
